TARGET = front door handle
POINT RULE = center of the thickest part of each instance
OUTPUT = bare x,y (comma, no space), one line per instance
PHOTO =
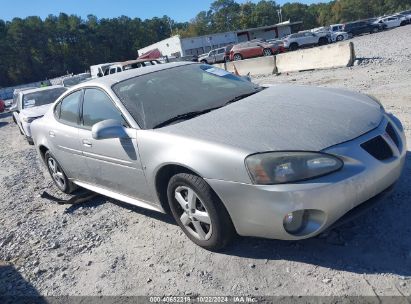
87,143
52,134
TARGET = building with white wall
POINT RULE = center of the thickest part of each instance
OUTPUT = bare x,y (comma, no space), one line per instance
178,47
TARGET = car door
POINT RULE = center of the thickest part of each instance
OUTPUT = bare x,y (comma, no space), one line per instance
63,136
393,22
220,55
113,164
211,57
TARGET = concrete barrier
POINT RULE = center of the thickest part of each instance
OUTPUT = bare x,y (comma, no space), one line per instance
255,66
324,57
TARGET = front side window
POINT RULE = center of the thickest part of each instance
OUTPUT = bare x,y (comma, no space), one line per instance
157,97
97,106
68,108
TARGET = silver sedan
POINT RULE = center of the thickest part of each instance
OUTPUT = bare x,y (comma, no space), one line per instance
222,154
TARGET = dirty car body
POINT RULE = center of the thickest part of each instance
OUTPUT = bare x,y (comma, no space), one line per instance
283,162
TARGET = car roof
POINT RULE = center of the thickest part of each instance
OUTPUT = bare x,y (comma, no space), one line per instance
109,80
41,89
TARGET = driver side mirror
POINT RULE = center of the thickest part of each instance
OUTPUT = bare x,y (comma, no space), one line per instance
100,74
109,128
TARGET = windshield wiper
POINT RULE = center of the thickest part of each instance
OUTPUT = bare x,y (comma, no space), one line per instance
184,116
193,114
239,97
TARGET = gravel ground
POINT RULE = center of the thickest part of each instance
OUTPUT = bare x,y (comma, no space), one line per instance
104,247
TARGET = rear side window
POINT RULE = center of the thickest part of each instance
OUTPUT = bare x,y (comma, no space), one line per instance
69,107
97,106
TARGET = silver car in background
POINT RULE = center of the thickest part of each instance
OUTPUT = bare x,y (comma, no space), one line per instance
223,155
31,104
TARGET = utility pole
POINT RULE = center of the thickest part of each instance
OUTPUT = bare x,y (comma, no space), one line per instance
171,27
280,15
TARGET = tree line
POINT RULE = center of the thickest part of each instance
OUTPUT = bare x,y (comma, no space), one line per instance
33,49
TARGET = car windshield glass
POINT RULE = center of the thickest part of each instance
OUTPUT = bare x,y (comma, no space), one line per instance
157,97
40,98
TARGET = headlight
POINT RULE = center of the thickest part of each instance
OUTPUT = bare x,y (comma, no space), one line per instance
286,167
29,119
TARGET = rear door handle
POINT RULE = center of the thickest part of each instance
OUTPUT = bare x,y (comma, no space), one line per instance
87,143
52,134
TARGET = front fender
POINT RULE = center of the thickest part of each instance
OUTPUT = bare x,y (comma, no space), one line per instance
208,160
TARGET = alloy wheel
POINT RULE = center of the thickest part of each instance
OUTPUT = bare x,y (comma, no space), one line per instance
237,57
267,52
194,215
56,173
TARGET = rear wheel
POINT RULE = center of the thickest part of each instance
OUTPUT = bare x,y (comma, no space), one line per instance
267,52
57,174
375,30
237,57
293,46
199,212
340,38
204,61
322,41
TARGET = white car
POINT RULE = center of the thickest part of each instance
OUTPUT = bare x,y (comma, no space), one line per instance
337,33
32,104
304,39
390,22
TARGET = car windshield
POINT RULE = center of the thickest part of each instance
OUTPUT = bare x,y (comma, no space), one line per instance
40,98
160,96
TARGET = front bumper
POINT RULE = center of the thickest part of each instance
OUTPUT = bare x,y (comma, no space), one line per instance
259,211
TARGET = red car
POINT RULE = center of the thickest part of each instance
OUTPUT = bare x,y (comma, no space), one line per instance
2,106
257,48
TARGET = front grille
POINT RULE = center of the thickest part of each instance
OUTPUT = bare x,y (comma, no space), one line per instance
391,132
378,148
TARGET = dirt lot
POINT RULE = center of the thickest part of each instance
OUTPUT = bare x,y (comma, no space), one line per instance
104,247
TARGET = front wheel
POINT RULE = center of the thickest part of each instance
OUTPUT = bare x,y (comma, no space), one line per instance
199,212
293,46
204,61
57,174
340,38
237,57
267,52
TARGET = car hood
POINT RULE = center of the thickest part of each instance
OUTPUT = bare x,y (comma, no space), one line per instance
285,117
36,111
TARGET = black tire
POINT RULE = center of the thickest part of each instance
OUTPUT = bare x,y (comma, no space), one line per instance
322,41
403,23
221,229
293,46
66,187
267,52
375,30
204,61
237,57
340,38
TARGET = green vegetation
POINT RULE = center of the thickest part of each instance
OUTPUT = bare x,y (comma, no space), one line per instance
32,49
